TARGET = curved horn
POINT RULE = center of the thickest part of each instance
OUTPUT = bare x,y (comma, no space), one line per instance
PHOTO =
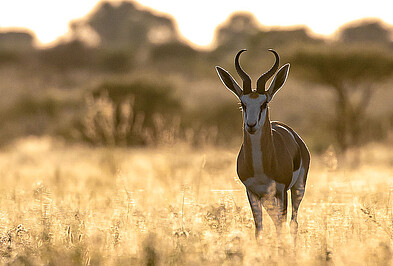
267,75
246,78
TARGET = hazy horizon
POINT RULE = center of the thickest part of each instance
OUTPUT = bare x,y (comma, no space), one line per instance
199,33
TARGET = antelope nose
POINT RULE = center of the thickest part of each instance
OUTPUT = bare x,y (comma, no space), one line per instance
251,125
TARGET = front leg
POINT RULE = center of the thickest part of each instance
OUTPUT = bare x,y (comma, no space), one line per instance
275,203
256,212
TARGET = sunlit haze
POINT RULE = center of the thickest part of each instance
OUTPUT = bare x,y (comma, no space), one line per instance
196,20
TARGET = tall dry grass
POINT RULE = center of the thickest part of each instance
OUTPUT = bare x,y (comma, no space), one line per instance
173,205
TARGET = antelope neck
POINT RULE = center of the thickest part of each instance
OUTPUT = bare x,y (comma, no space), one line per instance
259,148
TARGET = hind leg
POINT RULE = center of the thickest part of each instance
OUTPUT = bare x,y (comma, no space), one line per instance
256,209
284,206
297,193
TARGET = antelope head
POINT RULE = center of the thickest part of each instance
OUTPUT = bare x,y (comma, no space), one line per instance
254,102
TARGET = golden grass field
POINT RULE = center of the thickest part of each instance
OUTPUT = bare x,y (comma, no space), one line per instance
75,205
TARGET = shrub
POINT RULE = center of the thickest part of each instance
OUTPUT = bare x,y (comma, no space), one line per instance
137,113
150,98
36,115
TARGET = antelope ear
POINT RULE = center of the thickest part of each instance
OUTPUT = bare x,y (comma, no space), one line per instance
229,82
278,81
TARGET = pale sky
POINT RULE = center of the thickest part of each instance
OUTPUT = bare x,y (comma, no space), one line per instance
196,20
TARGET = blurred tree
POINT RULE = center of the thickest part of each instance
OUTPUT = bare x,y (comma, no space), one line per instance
365,32
178,51
354,76
179,58
236,32
15,46
68,55
14,40
280,38
125,26
115,61
242,31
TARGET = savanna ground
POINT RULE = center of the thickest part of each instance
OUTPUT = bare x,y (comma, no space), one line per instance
75,205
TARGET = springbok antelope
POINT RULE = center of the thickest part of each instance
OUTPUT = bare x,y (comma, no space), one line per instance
273,158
